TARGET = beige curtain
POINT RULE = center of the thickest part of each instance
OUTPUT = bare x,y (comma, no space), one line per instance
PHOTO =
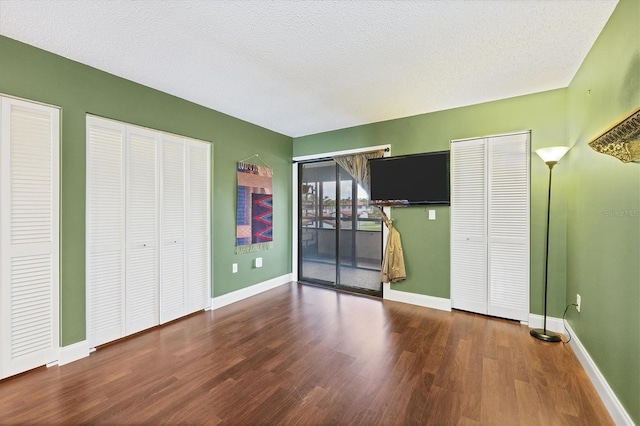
357,165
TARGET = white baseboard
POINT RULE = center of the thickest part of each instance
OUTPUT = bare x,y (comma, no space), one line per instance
243,293
609,398
553,324
415,299
73,352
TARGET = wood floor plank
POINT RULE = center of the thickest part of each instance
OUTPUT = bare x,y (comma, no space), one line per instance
499,399
443,407
303,355
530,406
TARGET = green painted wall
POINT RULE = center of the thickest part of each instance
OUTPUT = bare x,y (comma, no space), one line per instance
603,234
34,74
426,244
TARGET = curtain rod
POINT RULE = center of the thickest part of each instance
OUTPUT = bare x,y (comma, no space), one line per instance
386,149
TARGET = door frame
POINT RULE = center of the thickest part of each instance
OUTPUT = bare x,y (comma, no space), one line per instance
295,198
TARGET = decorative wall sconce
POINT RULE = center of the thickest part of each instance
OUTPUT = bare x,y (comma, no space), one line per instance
622,140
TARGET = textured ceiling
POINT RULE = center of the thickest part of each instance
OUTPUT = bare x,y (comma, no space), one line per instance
303,67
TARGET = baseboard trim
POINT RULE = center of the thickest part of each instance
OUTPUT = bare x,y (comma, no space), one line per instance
553,324
243,293
415,299
73,352
609,398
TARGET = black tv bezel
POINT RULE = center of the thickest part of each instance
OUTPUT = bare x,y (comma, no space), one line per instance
407,203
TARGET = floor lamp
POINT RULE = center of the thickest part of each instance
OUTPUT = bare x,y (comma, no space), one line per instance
550,156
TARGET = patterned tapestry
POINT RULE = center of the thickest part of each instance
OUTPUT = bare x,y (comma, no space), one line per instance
254,224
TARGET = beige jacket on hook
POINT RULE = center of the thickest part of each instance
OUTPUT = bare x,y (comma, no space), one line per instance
393,263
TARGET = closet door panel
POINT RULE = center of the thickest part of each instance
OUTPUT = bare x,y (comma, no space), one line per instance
142,298
172,281
468,226
199,226
508,227
105,232
29,167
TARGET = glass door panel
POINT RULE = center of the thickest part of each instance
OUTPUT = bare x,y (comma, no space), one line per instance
318,223
360,239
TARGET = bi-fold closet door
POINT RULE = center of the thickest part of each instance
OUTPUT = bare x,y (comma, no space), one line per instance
185,227
141,229
29,235
172,234
148,228
490,225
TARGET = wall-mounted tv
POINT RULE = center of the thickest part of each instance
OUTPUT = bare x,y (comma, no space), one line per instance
410,180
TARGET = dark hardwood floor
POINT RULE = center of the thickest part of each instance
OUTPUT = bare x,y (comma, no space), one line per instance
305,355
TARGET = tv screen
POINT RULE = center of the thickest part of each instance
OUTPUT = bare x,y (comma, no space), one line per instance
410,180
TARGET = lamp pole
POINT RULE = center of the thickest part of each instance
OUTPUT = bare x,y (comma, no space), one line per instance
550,156
547,336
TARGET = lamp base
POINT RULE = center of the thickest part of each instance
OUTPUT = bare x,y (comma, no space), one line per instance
546,335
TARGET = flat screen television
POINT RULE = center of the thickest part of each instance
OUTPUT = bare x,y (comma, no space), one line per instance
410,180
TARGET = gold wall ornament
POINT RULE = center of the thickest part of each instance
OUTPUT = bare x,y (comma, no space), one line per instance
622,140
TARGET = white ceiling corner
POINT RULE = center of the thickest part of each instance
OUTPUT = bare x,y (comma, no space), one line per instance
304,67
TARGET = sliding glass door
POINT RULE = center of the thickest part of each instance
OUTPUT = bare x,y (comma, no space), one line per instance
340,235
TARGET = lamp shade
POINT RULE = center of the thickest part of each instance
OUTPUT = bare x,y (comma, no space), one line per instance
553,153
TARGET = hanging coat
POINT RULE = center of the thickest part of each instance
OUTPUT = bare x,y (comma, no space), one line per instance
393,264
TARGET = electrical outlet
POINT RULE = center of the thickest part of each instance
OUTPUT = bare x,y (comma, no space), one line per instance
234,268
578,300
258,262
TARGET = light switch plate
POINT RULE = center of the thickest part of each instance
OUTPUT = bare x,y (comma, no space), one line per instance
258,262
432,215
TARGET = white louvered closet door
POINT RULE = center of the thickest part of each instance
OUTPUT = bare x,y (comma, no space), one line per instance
142,207
199,226
508,226
468,226
105,232
29,235
172,275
